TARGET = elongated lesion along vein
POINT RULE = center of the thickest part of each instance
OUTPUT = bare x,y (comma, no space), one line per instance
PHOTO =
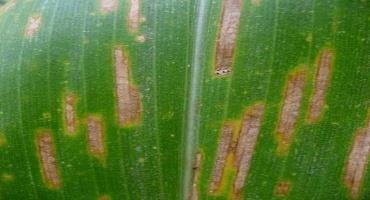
33,25
7,6
240,146
290,109
248,135
70,114
45,146
357,161
134,17
95,135
227,36
128,97
224,147
322,79
196,173
107,6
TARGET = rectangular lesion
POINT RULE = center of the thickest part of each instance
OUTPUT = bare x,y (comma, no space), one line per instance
95,134
357,161
134,17
128,96
290,109
70,113
250,128
224,147
107,6
194,195
236,149
33,25
322,79
48,160
227,36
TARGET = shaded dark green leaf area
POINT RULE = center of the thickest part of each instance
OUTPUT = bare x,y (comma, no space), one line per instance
2,2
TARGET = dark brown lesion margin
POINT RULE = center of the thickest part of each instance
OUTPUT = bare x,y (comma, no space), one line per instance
226,40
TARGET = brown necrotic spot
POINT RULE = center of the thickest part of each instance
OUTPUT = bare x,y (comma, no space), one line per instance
224,147
69,113
196,173
5,177
357,161
2,139
45,146
33,26
95,134
290,109
227,36
104,197
323,71
282,188
107,6
128,97
134,18
248,135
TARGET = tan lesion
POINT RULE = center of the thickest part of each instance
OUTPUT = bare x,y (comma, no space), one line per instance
357,162
227,35
235,150
194,195
70,118
48,161
7,6
33,25
107,6
96,136
324,66
128,96
290,109
140,38
250,129
134,16
223,150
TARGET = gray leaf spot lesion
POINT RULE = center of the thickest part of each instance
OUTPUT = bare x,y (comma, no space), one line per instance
227,36
33,25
